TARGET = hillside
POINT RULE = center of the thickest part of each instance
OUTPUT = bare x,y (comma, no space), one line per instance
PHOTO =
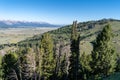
61,47
88,31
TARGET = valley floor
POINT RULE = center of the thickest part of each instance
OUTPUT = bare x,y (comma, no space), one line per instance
14,35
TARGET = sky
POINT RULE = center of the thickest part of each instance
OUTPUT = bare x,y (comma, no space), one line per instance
59,11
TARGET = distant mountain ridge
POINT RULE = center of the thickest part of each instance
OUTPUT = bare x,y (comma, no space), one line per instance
17,24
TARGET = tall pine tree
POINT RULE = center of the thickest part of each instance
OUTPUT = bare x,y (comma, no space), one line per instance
103,55
48,63
74,58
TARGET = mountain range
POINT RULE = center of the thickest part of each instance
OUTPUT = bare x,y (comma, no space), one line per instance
17,24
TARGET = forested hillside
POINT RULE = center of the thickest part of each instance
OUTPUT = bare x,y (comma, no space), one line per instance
80,51
88,32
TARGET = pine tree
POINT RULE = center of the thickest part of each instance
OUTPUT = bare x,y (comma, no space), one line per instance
63,67
27,64
46,50
103,55
9,66
1,73
58,56
74,58
38,62
85,68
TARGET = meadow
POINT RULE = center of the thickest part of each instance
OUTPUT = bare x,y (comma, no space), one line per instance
14,35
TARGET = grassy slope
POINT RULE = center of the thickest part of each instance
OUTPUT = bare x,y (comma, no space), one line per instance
88,35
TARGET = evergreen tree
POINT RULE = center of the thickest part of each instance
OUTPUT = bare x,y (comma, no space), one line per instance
62,62
74,58
63,67
103,55
9,66
58,56
1,72
46,50
27,64
38,62
118,62
85,69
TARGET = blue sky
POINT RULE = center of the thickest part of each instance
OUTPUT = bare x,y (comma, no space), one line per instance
59,11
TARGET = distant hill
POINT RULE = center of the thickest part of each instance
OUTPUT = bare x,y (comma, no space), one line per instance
88,31
15,24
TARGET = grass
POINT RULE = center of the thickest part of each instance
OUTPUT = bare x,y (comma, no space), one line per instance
14,35
93,33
